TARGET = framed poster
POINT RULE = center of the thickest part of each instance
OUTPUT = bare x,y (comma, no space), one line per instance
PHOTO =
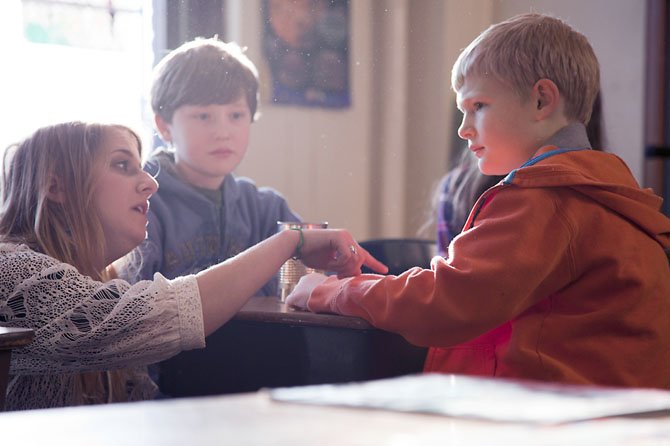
306,43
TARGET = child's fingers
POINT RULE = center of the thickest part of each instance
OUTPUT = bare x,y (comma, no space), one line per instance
300,294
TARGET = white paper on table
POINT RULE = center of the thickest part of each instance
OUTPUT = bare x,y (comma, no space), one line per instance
482,398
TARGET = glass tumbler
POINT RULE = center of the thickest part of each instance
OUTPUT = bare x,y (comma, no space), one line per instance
292,270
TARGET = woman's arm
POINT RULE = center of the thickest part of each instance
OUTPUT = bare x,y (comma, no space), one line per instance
224,288
82,324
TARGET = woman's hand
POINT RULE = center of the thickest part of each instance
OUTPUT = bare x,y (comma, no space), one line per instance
336,250
303,289
225,287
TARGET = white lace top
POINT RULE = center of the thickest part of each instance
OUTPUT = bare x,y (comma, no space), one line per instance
83,325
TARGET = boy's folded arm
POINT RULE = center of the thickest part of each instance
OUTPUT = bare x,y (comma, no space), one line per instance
271,207
515,256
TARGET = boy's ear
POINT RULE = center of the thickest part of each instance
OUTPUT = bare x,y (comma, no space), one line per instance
546,97
56,193
163,128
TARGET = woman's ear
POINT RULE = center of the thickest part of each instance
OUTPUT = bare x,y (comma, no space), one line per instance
546,97
56,193
163,128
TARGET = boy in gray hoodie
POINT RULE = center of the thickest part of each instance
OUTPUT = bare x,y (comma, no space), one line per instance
204,97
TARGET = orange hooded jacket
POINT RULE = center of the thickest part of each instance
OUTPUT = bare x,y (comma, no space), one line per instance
560,275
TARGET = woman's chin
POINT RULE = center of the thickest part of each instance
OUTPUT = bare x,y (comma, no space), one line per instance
131,243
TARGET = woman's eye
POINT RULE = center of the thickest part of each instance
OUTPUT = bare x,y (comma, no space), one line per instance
125,166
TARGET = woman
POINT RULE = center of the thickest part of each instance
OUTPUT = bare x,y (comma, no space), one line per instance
75,199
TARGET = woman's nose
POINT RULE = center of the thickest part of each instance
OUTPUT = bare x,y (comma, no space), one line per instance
148,185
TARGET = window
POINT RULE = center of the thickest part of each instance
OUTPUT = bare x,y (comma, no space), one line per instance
74,60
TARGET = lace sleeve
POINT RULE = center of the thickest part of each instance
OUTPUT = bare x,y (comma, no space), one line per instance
81,324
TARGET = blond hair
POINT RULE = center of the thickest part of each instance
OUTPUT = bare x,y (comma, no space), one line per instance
203,72
65,156
529,47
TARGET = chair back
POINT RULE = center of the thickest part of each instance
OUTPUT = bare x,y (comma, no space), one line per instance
10,338
401,254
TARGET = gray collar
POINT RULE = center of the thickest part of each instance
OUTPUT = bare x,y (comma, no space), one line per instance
572,136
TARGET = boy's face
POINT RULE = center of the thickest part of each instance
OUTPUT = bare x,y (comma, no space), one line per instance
501,128
209,140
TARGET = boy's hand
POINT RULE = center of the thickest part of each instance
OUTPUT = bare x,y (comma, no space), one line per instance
300,294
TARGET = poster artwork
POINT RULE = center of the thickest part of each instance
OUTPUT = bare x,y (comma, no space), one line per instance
306,44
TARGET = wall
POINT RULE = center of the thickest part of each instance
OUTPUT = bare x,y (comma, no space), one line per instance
616,30
372,168
318,158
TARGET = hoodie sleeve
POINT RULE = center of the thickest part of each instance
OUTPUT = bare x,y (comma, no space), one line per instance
515,254
273,208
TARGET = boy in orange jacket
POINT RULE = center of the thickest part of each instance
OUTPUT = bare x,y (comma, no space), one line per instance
560,272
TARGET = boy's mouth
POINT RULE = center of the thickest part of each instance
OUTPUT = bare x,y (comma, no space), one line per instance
477,150
221,152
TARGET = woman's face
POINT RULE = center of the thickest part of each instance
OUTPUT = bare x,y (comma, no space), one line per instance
121,193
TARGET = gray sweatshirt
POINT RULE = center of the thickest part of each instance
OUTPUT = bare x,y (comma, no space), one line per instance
189,231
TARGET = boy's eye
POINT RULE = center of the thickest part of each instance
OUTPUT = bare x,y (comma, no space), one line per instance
238,115
202,116
477,106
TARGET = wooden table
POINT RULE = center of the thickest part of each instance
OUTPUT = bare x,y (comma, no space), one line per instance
269,344
254,419
270,309
10,338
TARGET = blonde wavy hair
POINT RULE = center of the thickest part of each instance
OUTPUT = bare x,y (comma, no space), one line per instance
66,156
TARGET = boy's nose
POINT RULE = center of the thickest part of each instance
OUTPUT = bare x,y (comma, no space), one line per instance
465,130
222,129
222,132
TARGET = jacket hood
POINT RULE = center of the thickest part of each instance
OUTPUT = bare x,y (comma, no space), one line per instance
602,177
161,165
161,158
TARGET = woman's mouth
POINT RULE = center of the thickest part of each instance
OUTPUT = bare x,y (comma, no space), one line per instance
142,208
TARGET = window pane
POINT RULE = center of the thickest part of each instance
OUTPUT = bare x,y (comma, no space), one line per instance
74,59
